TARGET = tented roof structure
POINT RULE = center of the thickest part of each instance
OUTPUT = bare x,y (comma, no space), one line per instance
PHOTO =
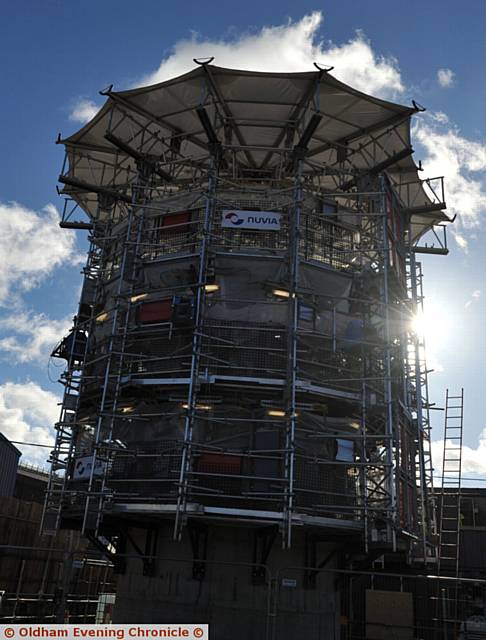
257,117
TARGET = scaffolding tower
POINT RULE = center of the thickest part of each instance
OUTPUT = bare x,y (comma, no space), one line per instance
244,349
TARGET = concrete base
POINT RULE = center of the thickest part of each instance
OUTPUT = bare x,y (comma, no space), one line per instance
236,603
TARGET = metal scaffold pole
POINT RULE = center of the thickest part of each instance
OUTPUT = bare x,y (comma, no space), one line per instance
133,244
419,401
363,447
391,427
293,315
191,408
114,362
67,428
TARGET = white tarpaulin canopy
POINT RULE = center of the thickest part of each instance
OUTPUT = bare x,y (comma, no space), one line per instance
257,115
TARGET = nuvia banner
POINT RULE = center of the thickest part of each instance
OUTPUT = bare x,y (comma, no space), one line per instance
256,220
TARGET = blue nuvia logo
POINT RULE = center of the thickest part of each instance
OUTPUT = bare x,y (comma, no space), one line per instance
262,220
256,220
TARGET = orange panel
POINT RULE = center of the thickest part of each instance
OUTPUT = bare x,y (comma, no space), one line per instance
153,312
219,463
176,222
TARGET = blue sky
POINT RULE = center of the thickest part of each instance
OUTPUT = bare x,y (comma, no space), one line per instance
58,54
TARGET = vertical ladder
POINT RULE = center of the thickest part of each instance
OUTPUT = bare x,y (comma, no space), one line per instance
94,497
418,401
67,426
450,508
292,341
450,502
194,384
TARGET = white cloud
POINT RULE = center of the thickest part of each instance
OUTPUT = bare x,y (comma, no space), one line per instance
475,295
462,162
461,240
31,337
473,459
83,111
439,116
445,77
433,364
293,46
32,245
27,414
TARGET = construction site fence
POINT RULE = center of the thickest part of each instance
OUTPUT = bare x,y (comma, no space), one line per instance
290,602
54,586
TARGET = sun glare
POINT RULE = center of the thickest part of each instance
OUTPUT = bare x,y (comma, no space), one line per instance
432,324
419,324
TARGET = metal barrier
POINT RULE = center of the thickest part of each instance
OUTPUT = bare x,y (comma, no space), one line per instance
48,585
238,600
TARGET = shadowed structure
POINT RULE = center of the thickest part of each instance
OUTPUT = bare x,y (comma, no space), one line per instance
245,397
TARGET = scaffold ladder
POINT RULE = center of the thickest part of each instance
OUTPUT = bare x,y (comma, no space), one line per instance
450,508
193,389
67,426
419,399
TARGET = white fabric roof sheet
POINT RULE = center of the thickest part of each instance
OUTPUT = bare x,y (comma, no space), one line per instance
261,107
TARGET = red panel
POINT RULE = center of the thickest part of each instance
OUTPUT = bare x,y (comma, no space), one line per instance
169,222
152,312
219,463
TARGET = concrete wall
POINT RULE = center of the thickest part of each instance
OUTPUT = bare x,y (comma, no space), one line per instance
228,598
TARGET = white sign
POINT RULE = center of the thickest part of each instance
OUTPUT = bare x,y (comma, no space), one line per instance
256,220
289,582
83,465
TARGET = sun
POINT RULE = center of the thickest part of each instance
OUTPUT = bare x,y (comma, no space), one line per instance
432,323
422,323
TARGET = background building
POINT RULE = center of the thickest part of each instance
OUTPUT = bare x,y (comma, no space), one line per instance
9,454
31,483
44,578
